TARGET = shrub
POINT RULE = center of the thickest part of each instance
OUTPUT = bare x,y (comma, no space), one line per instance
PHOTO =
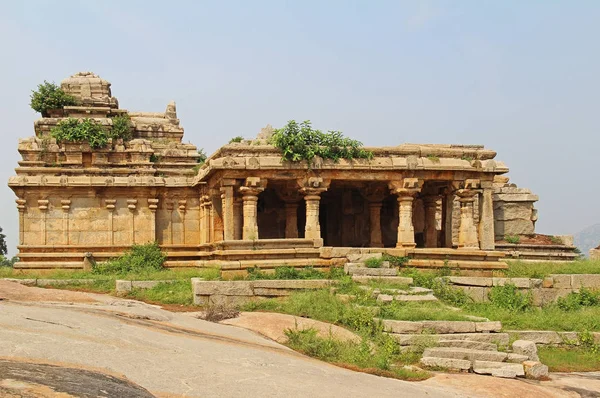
374,262
299,141
201,159
509,297
514,239
80,130
285,272
576,300
239,138
141,258
8,262
49,96
121,127
396,261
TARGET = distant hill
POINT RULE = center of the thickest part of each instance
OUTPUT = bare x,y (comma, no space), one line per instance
588,238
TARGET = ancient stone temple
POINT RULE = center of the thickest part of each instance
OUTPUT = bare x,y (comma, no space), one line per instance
245,206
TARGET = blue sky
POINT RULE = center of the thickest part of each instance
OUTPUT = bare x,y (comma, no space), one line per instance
519,77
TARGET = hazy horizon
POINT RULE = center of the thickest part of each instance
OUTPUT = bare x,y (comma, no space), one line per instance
517,77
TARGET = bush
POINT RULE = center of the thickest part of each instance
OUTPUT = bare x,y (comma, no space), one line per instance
121,127
8,262
141,258
509,297
239,138
576,300
514,239
49,96
201,159
80,130
374,262
285,272
396,261
300,142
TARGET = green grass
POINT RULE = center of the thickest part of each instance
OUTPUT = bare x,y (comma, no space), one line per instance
426,311
519,269
571,359
179,292
206,273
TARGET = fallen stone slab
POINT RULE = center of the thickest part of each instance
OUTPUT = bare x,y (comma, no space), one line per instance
402,326
365,271
500,339
385,298
489,326
446,327
465,353
535,370
527,348
446,363
473,345
516,358
498,369
411,297
400,280
471,281
420,290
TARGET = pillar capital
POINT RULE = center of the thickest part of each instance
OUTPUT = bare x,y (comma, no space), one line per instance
253,186
406,187
313,185
43,204
153,204
21,205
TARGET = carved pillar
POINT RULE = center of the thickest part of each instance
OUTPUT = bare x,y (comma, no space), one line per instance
170,206
66,206
22,207
467,233
312,189
153,205
43,206
291,220
253,186
181,206
132,206
375,194
238,218
110,206
227,186
486,218
406,191
205,208
431,233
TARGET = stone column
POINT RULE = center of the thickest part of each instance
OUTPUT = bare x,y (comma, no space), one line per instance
169,204
132,206
312,188
406,191
291,220
467,233
66,206
250,191
486,218
153,205
375,223
21,206
430,232
447,210
43,206
182,207
110,206
238,218
227,186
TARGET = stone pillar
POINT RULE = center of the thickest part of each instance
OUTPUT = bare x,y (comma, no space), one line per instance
467,233
182,207
43,206
132,206
291,220
21,206
375,223
430,232
486,218
250,191
152,205
227,186
169,205
110,206
447,210
238,218
312,229
66,206
406,190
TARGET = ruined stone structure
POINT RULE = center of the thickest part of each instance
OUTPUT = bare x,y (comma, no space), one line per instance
245,206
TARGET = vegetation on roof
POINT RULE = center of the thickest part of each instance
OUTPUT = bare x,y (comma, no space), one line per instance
49,96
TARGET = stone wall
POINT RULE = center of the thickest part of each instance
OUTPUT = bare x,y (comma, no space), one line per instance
514,211
544,291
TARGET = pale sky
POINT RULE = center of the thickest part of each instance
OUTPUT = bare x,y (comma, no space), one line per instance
519,77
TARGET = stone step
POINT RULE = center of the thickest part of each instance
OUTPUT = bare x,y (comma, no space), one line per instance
473,345
387,298
465,353
401,280
352,269
405,339
444,327
498,369
446,363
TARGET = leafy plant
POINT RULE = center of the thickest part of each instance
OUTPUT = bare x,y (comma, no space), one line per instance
201,159
467,158
285,272
8,262
299,141
121,127
514,239
374,262
80,130
154,158
239,138
141,258
576,300
395,261
49,96
509,297
3,249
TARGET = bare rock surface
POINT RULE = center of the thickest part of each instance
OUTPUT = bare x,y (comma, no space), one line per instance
274,325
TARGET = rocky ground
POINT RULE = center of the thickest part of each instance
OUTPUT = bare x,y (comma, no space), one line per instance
61,344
